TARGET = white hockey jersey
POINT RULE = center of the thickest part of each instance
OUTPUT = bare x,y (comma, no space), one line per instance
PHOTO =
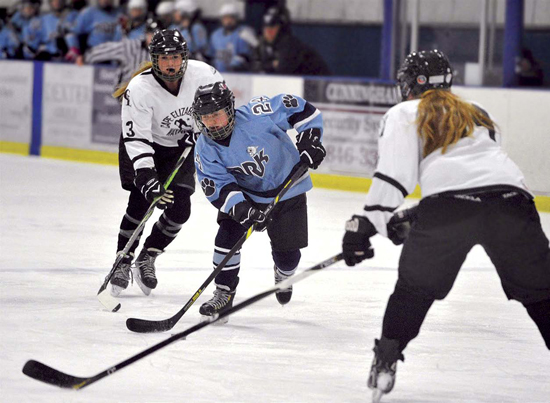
152,114
473,164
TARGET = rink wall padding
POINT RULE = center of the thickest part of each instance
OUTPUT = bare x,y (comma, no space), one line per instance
66,112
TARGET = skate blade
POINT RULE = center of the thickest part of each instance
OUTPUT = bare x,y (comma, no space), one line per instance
116,290
222,321
144,289
377,395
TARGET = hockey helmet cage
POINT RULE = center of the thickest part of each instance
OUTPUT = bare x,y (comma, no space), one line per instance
423,71
210,99
168,42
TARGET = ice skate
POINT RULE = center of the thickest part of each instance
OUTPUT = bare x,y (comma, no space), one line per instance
144,269
220,302
284,295
384,365
122,275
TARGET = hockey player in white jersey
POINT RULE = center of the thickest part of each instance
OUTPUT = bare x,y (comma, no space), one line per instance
157,125
243,159
472,193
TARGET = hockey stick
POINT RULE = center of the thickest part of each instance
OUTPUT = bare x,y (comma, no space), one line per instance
103,295
44,373
153,326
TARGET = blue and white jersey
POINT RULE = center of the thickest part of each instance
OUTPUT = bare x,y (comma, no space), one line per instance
8,43
20,24
232,51
196,38
259,156
43,31
100,26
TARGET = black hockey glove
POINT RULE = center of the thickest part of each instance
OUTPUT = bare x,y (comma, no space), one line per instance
356,245
400,224
246,215
310,148
189,139
147,182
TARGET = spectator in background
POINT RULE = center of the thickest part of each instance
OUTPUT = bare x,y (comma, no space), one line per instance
164,13
9,43
187,19
133,26
28,9
94,25
232,45
528,70
280,52
46,36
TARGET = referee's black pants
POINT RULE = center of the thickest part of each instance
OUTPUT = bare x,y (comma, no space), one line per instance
447,228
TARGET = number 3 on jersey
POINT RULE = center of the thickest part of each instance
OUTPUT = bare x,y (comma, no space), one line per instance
130,126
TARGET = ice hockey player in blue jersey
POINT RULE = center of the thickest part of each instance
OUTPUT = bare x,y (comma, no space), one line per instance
46,36
231,45
94,25
243,158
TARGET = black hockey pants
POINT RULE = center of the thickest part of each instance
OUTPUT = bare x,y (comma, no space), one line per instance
447,228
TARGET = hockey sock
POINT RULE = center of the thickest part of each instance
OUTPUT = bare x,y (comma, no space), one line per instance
286,261
127,228
170,222
540,313
404,315
228,235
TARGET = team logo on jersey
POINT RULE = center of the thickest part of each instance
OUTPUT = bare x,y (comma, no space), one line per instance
289,101
421,80
252,150
256,167
178,122
208,187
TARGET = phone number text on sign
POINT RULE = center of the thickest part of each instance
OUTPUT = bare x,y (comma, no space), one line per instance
351,141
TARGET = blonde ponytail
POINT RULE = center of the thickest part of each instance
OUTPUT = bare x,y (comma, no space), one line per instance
444,118
122,87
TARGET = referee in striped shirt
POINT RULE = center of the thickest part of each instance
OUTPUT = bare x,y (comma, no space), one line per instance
128,53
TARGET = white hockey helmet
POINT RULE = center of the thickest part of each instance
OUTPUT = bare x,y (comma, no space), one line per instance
230,9
136,4
186,6
164,8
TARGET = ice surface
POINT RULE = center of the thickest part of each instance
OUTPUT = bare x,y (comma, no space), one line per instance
58,229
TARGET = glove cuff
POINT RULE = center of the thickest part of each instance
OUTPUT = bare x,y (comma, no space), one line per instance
362,225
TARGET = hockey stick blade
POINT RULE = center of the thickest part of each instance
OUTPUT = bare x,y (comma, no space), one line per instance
43,373
49,375
103,294
157,326
108,301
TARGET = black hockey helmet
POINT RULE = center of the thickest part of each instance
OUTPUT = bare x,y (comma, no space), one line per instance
277,16
423,71
168,42
210,99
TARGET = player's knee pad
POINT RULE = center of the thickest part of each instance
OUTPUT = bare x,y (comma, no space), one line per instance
181,210
287,261
228,234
